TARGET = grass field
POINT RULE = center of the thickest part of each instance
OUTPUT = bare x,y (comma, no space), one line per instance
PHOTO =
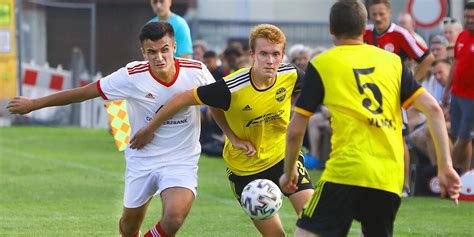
69,182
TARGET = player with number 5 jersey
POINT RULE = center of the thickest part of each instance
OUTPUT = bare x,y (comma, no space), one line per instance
364,88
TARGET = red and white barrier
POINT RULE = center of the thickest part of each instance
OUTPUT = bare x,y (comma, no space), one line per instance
41,81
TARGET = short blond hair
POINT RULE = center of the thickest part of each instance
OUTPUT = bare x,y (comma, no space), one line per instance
269,32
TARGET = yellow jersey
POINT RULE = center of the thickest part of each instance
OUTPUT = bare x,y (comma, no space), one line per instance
364,88
258,116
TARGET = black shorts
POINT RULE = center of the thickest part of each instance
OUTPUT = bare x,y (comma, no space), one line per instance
238,183
333,207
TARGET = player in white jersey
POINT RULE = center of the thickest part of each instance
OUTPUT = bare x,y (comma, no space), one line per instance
168,165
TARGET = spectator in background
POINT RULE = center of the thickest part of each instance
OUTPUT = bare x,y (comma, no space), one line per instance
440,69
451,29
405,20
461,86
438,47
231,59
199,48
210,59
162,9
300,56
391,37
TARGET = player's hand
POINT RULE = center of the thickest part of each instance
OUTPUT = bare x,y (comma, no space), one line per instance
20,105
141,138
246,146
449,183
288,182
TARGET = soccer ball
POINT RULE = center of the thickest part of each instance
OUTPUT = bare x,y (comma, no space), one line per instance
261,199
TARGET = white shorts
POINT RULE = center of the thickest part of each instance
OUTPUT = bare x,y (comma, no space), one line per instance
141,185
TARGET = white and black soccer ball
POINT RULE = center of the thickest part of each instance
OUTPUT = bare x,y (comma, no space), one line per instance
261,199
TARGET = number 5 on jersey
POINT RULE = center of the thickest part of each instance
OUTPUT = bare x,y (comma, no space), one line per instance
368,102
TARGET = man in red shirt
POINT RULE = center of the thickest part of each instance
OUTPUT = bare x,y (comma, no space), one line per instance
391,37
461,86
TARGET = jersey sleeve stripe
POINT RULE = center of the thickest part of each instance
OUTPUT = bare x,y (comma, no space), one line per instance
189,63
412,98
303,112
138,66
237,80
100,91
196,96
138,71
411,41
190,66
239,85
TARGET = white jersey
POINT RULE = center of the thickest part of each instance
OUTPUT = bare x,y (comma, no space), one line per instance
177,140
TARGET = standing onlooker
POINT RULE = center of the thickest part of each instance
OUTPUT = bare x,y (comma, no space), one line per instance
199,48
210,59
461,85
391,37
299,56
451,29
405,20
438,47
364,175
162,9
231,60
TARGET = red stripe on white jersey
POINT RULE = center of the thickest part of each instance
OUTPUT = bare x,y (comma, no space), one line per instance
188,61
138,66
191,66
138,69
410,39
135,72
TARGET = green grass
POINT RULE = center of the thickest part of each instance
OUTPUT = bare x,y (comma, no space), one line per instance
69,182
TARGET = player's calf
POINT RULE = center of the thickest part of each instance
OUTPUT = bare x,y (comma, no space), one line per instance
123,234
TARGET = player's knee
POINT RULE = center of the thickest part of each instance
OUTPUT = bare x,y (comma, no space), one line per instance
174,220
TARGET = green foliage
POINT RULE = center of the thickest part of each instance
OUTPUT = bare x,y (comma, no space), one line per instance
69,182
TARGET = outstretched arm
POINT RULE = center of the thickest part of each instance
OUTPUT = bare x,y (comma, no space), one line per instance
449,181
294,141
219,117
173,106
24,105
